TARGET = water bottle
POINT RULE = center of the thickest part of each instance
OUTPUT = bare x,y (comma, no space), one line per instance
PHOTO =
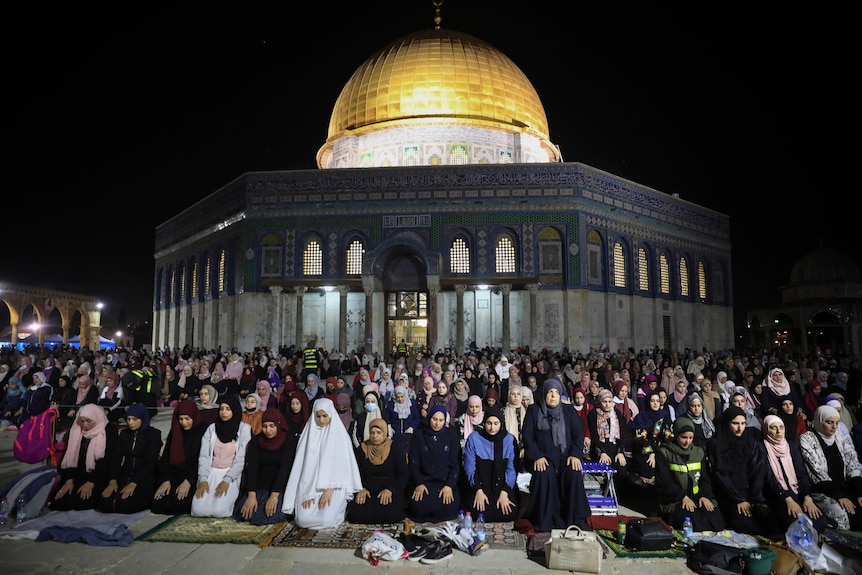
21,508
688,528
621,532
801,538
468,522
480,527
4,511
461,518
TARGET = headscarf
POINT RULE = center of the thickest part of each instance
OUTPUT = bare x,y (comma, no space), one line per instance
228,430
377,454
213,402
607,422
812,401
709,398
471,421
140,411
492,393
97,436
264,390
177,450
431,411
311,389
342,402
648,417
258,403
377,412
464,394
552,417
304,411
681,425
401,408
324,460
823,413
733,452
703,420
273,415
528,393
780,388
843,412
84,384
17,388
778,455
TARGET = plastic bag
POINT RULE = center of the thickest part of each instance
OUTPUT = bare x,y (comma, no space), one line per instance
380,545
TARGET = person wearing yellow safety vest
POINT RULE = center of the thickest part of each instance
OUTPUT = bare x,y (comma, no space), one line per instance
142,386
401,349
310,362
683,481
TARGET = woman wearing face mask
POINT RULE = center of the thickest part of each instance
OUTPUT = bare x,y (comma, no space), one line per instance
253,413
361,426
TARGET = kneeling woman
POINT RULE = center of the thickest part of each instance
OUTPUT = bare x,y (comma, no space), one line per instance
221,461
178,464
383,468
267,467
435,465
683,481
325,475
489,456
87,462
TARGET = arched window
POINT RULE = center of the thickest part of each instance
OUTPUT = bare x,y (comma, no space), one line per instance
195,271
595,267
312,259
619,265
550,242
664,274
183,285
505,255
173,287
701,280
208,277
683,277
354,258
458,154
270,256
459,257
643,270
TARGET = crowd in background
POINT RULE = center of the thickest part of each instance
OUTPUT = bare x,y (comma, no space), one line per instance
251,433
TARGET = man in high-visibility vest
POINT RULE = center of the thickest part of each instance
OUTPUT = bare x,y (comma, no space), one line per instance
402,349
310,361
141,386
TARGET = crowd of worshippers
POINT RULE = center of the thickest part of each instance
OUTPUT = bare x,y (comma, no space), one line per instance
269,439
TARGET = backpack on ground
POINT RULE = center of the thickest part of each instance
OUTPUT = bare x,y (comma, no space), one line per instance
708,558
38,486
35,442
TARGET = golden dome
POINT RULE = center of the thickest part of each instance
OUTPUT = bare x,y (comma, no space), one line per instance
442,76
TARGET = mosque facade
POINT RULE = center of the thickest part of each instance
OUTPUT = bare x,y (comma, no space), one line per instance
443,215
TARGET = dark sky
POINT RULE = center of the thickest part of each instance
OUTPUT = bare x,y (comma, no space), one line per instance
120,120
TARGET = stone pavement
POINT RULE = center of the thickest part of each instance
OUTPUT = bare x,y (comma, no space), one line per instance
26,557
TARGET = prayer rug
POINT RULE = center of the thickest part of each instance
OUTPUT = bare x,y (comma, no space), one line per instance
852,539
609,538
188,529
352,535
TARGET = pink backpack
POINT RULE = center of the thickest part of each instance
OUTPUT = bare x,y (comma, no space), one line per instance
35,440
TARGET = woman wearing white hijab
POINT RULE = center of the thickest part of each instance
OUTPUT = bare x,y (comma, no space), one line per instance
833,465
325,475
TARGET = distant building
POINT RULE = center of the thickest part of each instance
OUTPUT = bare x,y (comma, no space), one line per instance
442,214
821,307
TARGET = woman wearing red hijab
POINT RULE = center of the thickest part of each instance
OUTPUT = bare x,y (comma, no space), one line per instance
178,464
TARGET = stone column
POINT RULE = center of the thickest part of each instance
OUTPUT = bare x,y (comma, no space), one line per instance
459,317
534,315
506,289
433,292
369,320
300,294
342,318
277,318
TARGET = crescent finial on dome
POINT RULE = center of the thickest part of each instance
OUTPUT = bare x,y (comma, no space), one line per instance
437,17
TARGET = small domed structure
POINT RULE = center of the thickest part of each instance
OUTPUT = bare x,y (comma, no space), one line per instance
825,265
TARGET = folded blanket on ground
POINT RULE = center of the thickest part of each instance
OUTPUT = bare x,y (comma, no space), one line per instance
103,529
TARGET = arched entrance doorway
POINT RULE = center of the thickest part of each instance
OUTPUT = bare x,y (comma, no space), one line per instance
402,272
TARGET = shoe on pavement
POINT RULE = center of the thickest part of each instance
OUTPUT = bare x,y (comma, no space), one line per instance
437,552
416,547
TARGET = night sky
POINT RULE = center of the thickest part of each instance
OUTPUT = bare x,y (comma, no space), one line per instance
119,121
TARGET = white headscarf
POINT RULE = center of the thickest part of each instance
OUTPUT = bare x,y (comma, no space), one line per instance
324,460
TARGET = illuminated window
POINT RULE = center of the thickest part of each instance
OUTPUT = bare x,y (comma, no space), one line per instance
701,280
664,274
173,286
207,273
354,258
505,256
312,260
222,262
643,270
619,266
195,293
459,257
683,277
458,155
183,280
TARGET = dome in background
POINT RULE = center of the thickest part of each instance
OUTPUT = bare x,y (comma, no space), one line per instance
436,88
825,266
